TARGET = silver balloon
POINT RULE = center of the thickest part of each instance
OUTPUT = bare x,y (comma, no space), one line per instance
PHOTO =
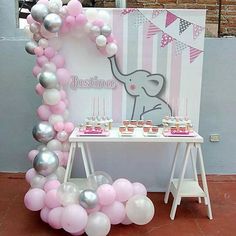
34,28
37,37
39,12
48,80
95,31
43,132
45,163
106,30
98,178
30,46
52,22
88,199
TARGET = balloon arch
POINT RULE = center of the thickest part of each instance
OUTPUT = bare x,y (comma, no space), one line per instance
65,205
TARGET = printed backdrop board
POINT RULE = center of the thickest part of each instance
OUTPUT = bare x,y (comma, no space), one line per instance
156,72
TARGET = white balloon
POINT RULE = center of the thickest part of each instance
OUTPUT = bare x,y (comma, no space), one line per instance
43,43
92,14
51,67
104,15
63,11
52,176
54,145
28,32
101,40
60,173
87,27
66,147
98,224
111,49
53,119
140,209
54,5
38,181
51,96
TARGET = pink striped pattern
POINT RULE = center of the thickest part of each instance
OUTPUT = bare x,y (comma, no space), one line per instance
152,30
194,53
147,49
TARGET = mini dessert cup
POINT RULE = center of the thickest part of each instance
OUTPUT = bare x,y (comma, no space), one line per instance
183,128
173,129
130,128
88,127
133,122
98,128
154,129
122,129
126,122
148,122
140,123
146,128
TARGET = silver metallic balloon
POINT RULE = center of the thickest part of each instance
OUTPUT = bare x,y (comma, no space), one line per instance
95,31
106,30
48,80
52,22
34,27
37,37
45,163
88,199
43,132
39,12
30,46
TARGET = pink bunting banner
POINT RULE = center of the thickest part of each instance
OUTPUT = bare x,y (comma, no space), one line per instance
152,30
156,13
165,40
197,29
194,53
128,11
183,25
170,18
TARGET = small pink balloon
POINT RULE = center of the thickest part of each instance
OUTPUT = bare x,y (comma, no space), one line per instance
36,70
44,112
30,174
38,51
63,76
126,221
65,158
34,199
74,218
106,194
110,38
51,199
39,89
54,217
51,184
59,108
42,60
74,7
124,189
70,20
44,214
69,127
115,212
64,28
49,52
58,60
63,93
81,20
60,157
32,154
139,189
99,23
95,209
30,19
59,126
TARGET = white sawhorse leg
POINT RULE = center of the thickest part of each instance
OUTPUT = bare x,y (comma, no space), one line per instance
70,162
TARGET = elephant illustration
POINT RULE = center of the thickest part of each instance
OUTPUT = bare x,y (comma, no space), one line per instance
144,87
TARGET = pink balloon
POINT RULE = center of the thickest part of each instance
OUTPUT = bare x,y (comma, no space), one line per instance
39,89
63,93
106,194
95,209
38,51
60,157
139,189
49,52
99,23
58,60
42,60
51,199
64,28
70,20
44,112
69,127
59,126
44,214
74,7
51,184
74,218
65,158
32,154
36,70
34,199
126,221
124,189
63,76
115,212
81,20
110,38
54,217
30,174
59,108
30,19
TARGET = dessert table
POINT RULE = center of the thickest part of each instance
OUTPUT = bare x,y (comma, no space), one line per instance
179,187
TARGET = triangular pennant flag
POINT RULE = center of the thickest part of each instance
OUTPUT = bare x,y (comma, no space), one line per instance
165,39
194,53
183,25
128,11
155,13
152,30
197,29
170,18
179,47
139,19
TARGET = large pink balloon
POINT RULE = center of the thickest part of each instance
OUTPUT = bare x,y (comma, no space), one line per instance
54,218
58,60
42,60
139,189
44,214
32,154
124,189
69,127
44,112
30,19
59,126
49,52
51,184
36,70
59,108
51,199
74,7
115,212
74,218
30,174
106,194
34,199
63,76
81,20
38,51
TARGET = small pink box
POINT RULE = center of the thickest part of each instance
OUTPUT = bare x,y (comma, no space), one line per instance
146,128
122,129
148,122
154,129
130,128
126,122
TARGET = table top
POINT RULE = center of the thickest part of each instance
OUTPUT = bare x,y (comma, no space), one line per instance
136,138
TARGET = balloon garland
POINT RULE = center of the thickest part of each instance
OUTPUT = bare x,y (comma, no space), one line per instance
65,205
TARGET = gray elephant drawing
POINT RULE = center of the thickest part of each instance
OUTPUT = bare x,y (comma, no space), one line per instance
144,87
